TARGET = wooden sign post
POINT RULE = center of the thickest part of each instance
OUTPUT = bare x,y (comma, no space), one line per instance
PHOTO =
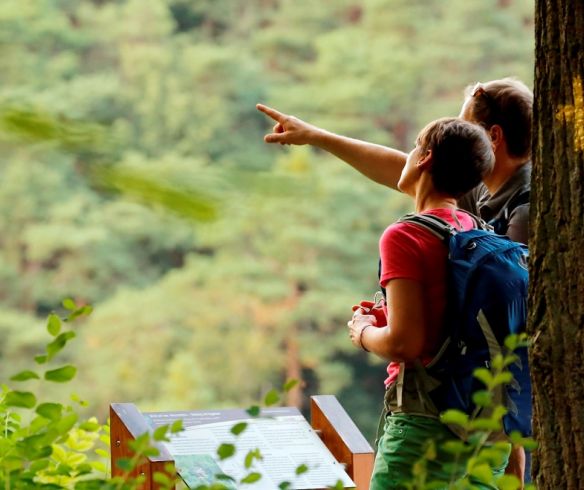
329,419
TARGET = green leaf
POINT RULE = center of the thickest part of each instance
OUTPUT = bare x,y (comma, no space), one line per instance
177,426
482,472
77,399
22,399
83,469
125,464
512,342
254,411
430,451
482,398
25,376
225,451
223,476
238,428
40,359
250,456
57,345
89,426
290,384
84,310
285,485
51,411
69,304
483,424
62,374
102,452
456,447
141,442
150,451
508,482
53,324
498,413
518,440
301,469
497,362
454,417
272,397
502,378
162,478
160,433
66,423
510,359
484,375
495,456
251,478
39,465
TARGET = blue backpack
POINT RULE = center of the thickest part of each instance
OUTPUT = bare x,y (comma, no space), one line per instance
487,301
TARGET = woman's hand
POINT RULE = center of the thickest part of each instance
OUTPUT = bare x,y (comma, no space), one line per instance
356,326
378,310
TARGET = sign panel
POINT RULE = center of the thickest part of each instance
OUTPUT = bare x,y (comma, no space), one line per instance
283,436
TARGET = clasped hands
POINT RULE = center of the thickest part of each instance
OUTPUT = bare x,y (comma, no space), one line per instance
365,314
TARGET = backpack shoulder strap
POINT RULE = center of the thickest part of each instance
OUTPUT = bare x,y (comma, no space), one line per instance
479,223
441,228
433,224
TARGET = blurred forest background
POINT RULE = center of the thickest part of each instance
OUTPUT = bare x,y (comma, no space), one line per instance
134,177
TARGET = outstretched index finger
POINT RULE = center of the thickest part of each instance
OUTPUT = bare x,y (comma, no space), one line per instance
273,113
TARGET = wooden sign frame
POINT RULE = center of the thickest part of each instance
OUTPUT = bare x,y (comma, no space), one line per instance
329,419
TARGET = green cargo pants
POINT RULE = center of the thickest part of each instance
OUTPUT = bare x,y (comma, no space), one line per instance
403,443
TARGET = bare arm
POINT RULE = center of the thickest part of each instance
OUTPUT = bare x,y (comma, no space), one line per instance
516,464
403,339
379,163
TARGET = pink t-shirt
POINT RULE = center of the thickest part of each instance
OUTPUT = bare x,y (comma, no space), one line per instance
410,252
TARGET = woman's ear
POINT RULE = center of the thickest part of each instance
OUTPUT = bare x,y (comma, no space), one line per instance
425,161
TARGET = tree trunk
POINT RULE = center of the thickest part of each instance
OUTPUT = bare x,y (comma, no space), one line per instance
556,320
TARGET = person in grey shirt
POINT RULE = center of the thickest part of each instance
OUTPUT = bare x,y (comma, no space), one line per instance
504,108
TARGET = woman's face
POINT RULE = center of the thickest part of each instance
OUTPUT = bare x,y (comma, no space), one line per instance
410,173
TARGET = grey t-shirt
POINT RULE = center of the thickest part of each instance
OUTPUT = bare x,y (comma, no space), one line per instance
481,203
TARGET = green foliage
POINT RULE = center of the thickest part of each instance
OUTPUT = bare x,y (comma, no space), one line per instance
477,454
47,447
54,448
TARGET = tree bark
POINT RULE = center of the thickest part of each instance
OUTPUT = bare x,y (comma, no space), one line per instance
556,320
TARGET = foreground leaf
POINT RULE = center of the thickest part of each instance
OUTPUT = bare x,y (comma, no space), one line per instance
53,324
25,376
62,374
23,399
226,451
251,478
272,397
51,411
